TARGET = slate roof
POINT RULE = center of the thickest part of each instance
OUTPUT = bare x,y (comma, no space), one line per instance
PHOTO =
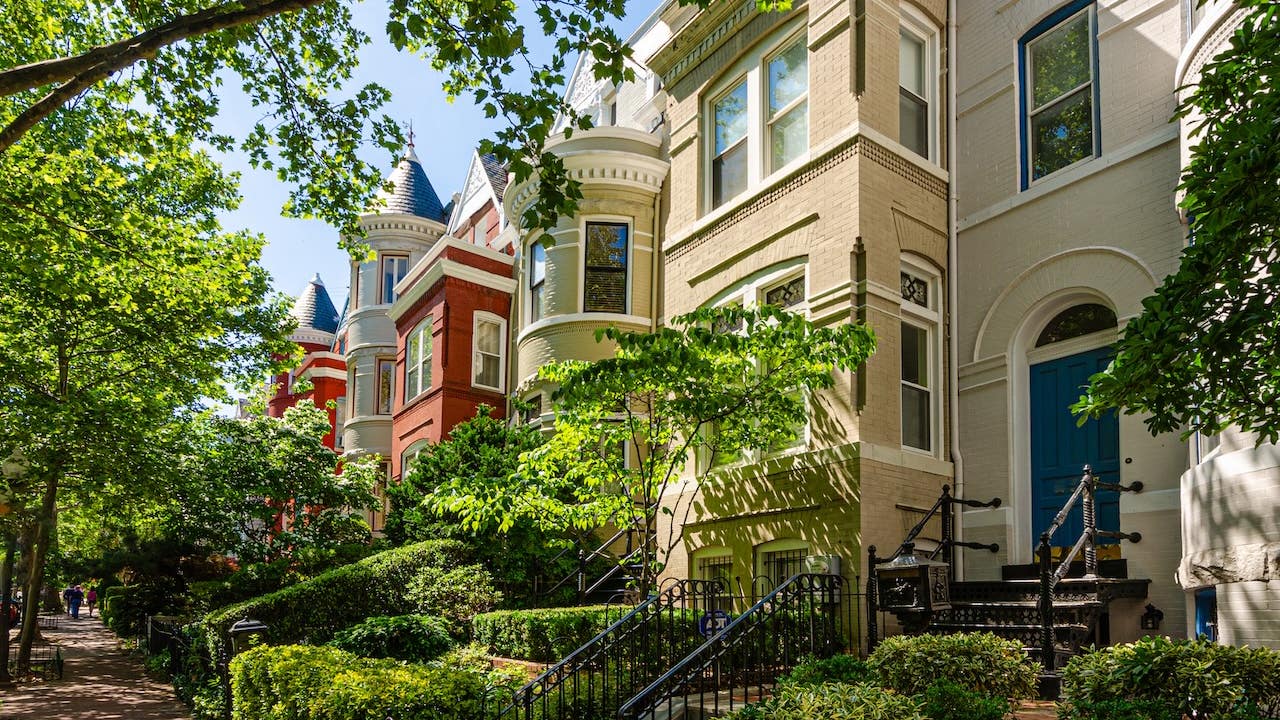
413,194
314,310
497,173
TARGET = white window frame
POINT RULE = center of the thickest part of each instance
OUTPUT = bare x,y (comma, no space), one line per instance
478,317
750,295
914,23
1028,109
528,284
754,68
383,290
930,320
582,257
410,455
424,332
352,379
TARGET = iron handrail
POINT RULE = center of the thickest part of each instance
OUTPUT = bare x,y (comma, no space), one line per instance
708,657
588,657
599,552
1085,492
944,505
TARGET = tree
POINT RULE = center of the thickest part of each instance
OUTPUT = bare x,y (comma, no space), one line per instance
1205,352
697,387
484,450
263,488
124,302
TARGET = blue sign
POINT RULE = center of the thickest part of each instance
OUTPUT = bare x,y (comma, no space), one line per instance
712,622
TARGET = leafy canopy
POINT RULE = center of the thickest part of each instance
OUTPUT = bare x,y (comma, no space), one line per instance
1205,352
714,381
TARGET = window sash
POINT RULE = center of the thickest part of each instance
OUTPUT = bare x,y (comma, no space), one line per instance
487,361
1045,158
394,268
605,279
386,386
417,360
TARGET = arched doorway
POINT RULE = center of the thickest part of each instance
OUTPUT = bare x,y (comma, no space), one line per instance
1059,370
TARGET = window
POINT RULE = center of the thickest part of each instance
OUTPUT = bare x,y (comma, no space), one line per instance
339,420
351,389
785,289
716,565
778,560
537,280
488,346
417,360
386,385
917,86
760,119
605,285
394,268
920,357
532,411
1076,321
1059,92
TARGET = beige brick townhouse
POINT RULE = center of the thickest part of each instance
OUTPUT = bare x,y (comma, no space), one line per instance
803,159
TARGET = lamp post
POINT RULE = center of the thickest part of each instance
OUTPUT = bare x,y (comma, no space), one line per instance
245,634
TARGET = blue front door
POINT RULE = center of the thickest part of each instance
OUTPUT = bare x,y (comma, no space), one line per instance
1060,448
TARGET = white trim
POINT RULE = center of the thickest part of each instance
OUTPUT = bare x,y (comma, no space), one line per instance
323,372
915,23
597,318
752,69
425,330
448,268
604,219
928,319
478,317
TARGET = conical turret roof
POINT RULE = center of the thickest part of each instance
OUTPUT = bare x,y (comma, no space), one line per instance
412,193
314,310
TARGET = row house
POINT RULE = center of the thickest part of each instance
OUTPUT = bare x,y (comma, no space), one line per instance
989,187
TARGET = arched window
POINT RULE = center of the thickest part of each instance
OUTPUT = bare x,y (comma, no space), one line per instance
1077,321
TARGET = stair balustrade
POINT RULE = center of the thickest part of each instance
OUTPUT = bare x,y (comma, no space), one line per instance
1084,493
808,615
622,659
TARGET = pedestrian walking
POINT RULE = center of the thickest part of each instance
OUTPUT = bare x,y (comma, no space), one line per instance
92,599
77,597
66,598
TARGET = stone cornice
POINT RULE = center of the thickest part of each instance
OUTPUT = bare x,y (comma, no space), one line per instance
401,221
613,156
699,37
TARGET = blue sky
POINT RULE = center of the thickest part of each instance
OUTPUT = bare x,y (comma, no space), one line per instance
447,133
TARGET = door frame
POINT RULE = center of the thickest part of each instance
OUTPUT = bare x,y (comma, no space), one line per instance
1022,355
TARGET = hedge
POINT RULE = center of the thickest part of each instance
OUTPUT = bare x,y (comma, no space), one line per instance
296,682
980,662
1158,677
542,635
425,577
832,701
414,638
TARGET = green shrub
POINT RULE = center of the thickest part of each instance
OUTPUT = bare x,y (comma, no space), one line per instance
541,635
312,611
416,638
131,604
946,700
978,661
248,582
1122,710
295,682
838,669
1193,677
832,701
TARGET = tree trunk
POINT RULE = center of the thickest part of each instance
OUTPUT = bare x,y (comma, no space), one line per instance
45,526
6,592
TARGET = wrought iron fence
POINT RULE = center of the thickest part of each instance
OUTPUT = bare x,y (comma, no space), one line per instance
807,616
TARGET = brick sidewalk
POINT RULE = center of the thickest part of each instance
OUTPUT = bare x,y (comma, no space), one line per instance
1036,710
100,682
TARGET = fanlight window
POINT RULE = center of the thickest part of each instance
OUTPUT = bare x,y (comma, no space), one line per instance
1077,321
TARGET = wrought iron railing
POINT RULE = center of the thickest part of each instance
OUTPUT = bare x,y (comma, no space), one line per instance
944,508
808,615
1085,493
620,661
580,579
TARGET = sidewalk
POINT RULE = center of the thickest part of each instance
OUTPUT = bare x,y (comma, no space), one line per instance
100,683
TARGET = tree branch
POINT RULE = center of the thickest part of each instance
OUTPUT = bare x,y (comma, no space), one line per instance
80,72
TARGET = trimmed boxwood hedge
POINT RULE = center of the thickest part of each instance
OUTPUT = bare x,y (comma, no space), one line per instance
1158,677
425,577
297,682
546,635
980,662
832,701
414,638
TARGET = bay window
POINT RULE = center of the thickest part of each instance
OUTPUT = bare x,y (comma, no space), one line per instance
605,272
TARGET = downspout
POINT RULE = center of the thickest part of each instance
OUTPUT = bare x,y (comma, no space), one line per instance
953,293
